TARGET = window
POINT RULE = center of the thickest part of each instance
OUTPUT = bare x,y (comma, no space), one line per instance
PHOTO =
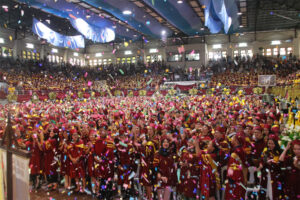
269,52
133,60
282,51
224,54
33,56
210,55
4,52
243,53
235,53
217,46
91,62
250,53
28,55
38,56
275,51
217,55
153,50
104,61
82,62
10,52
128,52
53,58
109,61
128,60
174,57
148,59
118,60
263,52
24,54
289,50
192,56
57,59
123,60
159,57
99,62
95,62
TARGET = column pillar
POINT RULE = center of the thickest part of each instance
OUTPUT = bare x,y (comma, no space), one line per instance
296,47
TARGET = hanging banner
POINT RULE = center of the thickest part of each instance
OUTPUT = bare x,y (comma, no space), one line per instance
93,33
55,38
220,14
266,80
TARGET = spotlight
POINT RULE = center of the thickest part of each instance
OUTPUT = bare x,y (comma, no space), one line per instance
127,12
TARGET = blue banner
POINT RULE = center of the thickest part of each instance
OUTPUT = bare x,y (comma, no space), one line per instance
220,14
93,33
55,38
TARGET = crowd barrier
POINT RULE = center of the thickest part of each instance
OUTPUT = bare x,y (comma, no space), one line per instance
287,92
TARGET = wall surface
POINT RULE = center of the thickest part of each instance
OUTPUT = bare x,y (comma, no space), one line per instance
204,45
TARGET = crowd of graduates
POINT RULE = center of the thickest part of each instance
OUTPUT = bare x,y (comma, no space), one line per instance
200,147
213,146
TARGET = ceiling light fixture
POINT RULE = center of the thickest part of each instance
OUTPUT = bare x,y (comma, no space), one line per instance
239,13
179,1
163,32
127,12
241,26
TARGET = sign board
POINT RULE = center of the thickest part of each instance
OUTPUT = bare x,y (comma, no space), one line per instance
3,184
20,178
266,80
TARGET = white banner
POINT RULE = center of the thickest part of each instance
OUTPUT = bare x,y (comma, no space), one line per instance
183,83
266,80
3,185
20,178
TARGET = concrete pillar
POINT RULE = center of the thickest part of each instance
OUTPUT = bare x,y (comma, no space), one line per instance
42,53
230,50
203,54
296,47
255,48
66,55
17,50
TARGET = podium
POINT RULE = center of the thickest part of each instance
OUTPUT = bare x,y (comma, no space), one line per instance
14,167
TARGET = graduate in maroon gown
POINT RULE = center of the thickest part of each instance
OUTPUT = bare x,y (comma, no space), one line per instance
89,152
104,160
271,171
189,171
76,167
291,165
126,163
259,145
237,170
165,167
35,147
64,159
146,150
209,178
50,160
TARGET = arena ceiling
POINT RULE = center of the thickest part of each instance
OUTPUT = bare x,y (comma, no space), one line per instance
148,18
